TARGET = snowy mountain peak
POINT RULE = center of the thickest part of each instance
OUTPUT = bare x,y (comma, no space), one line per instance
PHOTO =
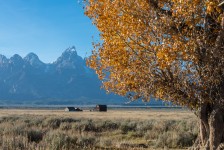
70,52
31,56
69,58
33,59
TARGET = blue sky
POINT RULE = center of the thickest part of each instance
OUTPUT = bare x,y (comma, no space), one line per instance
45,27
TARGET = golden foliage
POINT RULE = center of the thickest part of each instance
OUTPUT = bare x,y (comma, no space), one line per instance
160,48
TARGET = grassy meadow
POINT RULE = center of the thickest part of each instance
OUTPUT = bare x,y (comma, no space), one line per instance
23,129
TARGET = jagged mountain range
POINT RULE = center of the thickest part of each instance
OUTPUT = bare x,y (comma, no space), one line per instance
67,80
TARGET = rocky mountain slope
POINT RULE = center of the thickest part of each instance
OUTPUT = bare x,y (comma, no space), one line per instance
67,80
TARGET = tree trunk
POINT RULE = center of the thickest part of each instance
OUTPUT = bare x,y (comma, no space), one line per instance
211,125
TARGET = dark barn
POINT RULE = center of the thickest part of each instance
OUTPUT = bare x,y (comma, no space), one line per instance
101,108
72,109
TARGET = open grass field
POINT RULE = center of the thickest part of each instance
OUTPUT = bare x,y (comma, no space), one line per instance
144,114
115,129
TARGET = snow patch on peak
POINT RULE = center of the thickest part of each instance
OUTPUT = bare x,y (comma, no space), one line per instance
69,56
70,51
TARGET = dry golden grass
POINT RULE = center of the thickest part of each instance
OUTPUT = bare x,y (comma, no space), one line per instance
147,114
148,129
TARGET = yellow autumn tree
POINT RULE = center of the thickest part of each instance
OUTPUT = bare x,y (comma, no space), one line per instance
167,49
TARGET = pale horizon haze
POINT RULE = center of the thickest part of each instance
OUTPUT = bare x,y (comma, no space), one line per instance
45,27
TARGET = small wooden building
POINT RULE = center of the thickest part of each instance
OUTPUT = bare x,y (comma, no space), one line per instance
101,108
72,109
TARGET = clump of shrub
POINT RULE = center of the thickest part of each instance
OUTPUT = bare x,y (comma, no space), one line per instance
87,142
66,126
58,140
85,126
175,140
108,125
128,126
35,135
53,123
106,142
